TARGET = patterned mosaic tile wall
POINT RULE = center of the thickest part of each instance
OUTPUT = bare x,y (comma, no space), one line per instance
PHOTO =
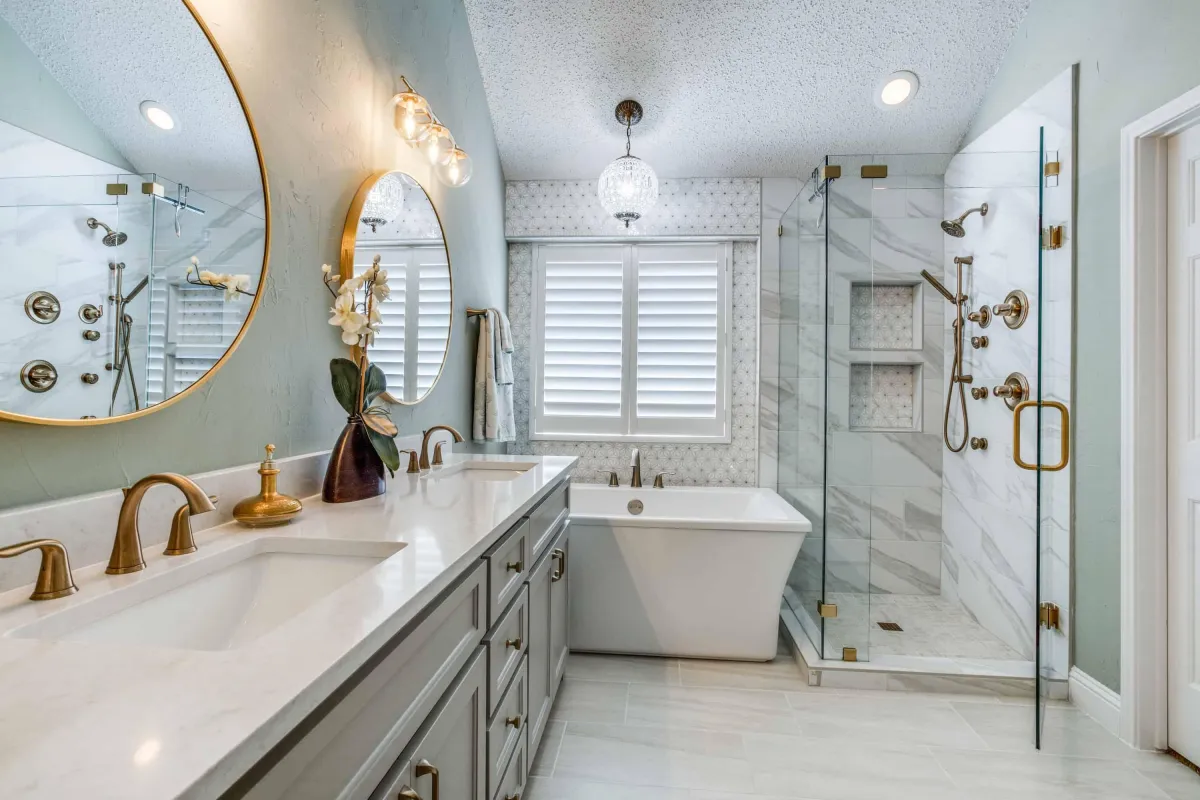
883,397
686,207
881,317
733,464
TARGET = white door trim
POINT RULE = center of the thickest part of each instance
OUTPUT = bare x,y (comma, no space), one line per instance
1143,419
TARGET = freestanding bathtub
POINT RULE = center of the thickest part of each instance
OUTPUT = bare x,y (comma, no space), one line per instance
693,572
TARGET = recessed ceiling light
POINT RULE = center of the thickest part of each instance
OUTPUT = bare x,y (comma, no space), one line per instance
157,116
897,89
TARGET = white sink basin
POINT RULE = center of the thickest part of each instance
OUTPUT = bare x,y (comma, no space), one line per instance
485,470
220,602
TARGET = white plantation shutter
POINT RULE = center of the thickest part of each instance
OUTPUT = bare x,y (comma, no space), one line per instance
680,338
632,342
433,318
189,329
581,294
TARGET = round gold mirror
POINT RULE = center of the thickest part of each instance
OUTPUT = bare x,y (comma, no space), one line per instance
133,195
393,221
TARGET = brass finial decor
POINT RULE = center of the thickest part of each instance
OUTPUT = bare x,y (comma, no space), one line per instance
267,508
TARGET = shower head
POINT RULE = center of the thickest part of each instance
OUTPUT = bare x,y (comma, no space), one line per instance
111,238
954,227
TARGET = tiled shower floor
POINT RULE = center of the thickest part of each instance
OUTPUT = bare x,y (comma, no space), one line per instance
664,729
932,627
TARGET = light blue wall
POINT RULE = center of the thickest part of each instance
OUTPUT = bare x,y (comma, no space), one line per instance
317,77
1134,57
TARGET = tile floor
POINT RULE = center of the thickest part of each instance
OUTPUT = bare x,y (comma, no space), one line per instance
933,627
663,729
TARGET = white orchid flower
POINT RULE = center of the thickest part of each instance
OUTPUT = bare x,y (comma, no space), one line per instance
343,310
326,269
195,261
350,338
210,277
235,284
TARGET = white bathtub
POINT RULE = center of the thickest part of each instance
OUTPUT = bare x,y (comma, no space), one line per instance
699,572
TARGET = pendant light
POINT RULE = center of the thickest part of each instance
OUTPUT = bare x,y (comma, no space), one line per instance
383,202
628,186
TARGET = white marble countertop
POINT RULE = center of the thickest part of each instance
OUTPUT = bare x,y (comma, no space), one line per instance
95,720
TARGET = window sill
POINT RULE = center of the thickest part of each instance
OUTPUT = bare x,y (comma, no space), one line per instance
628,438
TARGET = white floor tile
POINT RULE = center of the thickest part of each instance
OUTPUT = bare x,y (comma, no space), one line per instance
1173,778
622,669
889,719
573,789
590,701
734,710
1041,776
782,673
543,760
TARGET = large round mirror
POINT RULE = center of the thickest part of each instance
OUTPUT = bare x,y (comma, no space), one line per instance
133,208
393,222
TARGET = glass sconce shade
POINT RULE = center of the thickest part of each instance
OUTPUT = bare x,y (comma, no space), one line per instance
628,188
437,144
412,117
384,201
456,171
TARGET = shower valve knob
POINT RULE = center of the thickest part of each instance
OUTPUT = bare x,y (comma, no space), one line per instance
89,377
979,393
90,313
91,336
979,342
1008,390
982,317
979,443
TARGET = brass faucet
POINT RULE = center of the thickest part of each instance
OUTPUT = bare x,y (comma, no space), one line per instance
425,443
127,547
54,576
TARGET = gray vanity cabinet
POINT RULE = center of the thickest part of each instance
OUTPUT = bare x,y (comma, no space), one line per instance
447,760
547,632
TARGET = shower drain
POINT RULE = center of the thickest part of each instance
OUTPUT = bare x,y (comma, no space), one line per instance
890,626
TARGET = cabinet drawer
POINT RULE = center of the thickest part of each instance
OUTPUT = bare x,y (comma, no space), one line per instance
544,520
508,563
506,644
512,783
507,729
346,746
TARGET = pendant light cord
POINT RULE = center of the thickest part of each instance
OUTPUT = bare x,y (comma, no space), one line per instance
628,129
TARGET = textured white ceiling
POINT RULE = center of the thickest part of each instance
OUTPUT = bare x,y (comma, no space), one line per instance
110,55
751,87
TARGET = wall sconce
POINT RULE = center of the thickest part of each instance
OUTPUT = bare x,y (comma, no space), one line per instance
420,128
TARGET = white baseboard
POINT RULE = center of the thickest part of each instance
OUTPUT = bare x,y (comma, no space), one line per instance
1096,700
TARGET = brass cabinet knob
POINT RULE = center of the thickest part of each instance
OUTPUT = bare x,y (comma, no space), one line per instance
514,566
515,644
513,722
407,793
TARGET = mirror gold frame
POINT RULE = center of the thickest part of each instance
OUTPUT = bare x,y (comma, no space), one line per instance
346,268
258,295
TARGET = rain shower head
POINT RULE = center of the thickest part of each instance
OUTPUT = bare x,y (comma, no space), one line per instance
954,227
111,238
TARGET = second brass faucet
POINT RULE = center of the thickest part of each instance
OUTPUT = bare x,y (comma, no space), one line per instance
127,547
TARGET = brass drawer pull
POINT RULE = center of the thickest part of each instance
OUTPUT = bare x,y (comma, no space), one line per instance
513,643
1064,453
513,796
560,556
514,566
514,722
408,794
425,768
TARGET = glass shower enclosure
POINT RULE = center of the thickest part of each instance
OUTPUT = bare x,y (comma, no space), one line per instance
937,537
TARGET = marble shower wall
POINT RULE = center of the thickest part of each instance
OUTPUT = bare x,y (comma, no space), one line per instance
884,449
566,210
989,505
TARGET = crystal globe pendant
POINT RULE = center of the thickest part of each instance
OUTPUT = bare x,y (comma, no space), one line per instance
628,187
384,201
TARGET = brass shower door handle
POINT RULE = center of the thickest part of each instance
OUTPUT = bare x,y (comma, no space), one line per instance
1064,455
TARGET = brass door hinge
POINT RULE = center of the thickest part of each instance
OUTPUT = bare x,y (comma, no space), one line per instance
874,171
153,189
116,189
830,171
1048,617
781,230
1052,169
849,654
1052,237
827,610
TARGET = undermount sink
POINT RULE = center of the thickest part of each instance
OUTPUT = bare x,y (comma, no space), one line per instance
485,470
217,603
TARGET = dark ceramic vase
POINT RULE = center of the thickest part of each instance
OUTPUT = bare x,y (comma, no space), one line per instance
355,470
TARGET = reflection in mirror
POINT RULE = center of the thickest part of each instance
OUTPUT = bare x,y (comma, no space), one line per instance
398,224
130,193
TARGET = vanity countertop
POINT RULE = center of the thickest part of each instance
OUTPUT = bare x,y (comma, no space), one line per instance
100,720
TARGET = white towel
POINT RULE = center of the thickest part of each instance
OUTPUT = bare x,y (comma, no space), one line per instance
493,418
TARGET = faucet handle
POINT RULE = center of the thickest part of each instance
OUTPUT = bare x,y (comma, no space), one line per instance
658,479
613,478
54,575
413,466
181,542
437,454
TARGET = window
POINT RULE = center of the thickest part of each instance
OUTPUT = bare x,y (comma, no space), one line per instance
631,342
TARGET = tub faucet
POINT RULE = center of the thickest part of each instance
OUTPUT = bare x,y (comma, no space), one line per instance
636,463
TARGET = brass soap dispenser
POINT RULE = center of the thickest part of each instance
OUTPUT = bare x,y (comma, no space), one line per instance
268,507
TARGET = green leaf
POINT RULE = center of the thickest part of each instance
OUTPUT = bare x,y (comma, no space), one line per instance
385,446
344,374
376,385
378,420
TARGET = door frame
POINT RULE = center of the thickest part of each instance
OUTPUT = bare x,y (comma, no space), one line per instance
1143,419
